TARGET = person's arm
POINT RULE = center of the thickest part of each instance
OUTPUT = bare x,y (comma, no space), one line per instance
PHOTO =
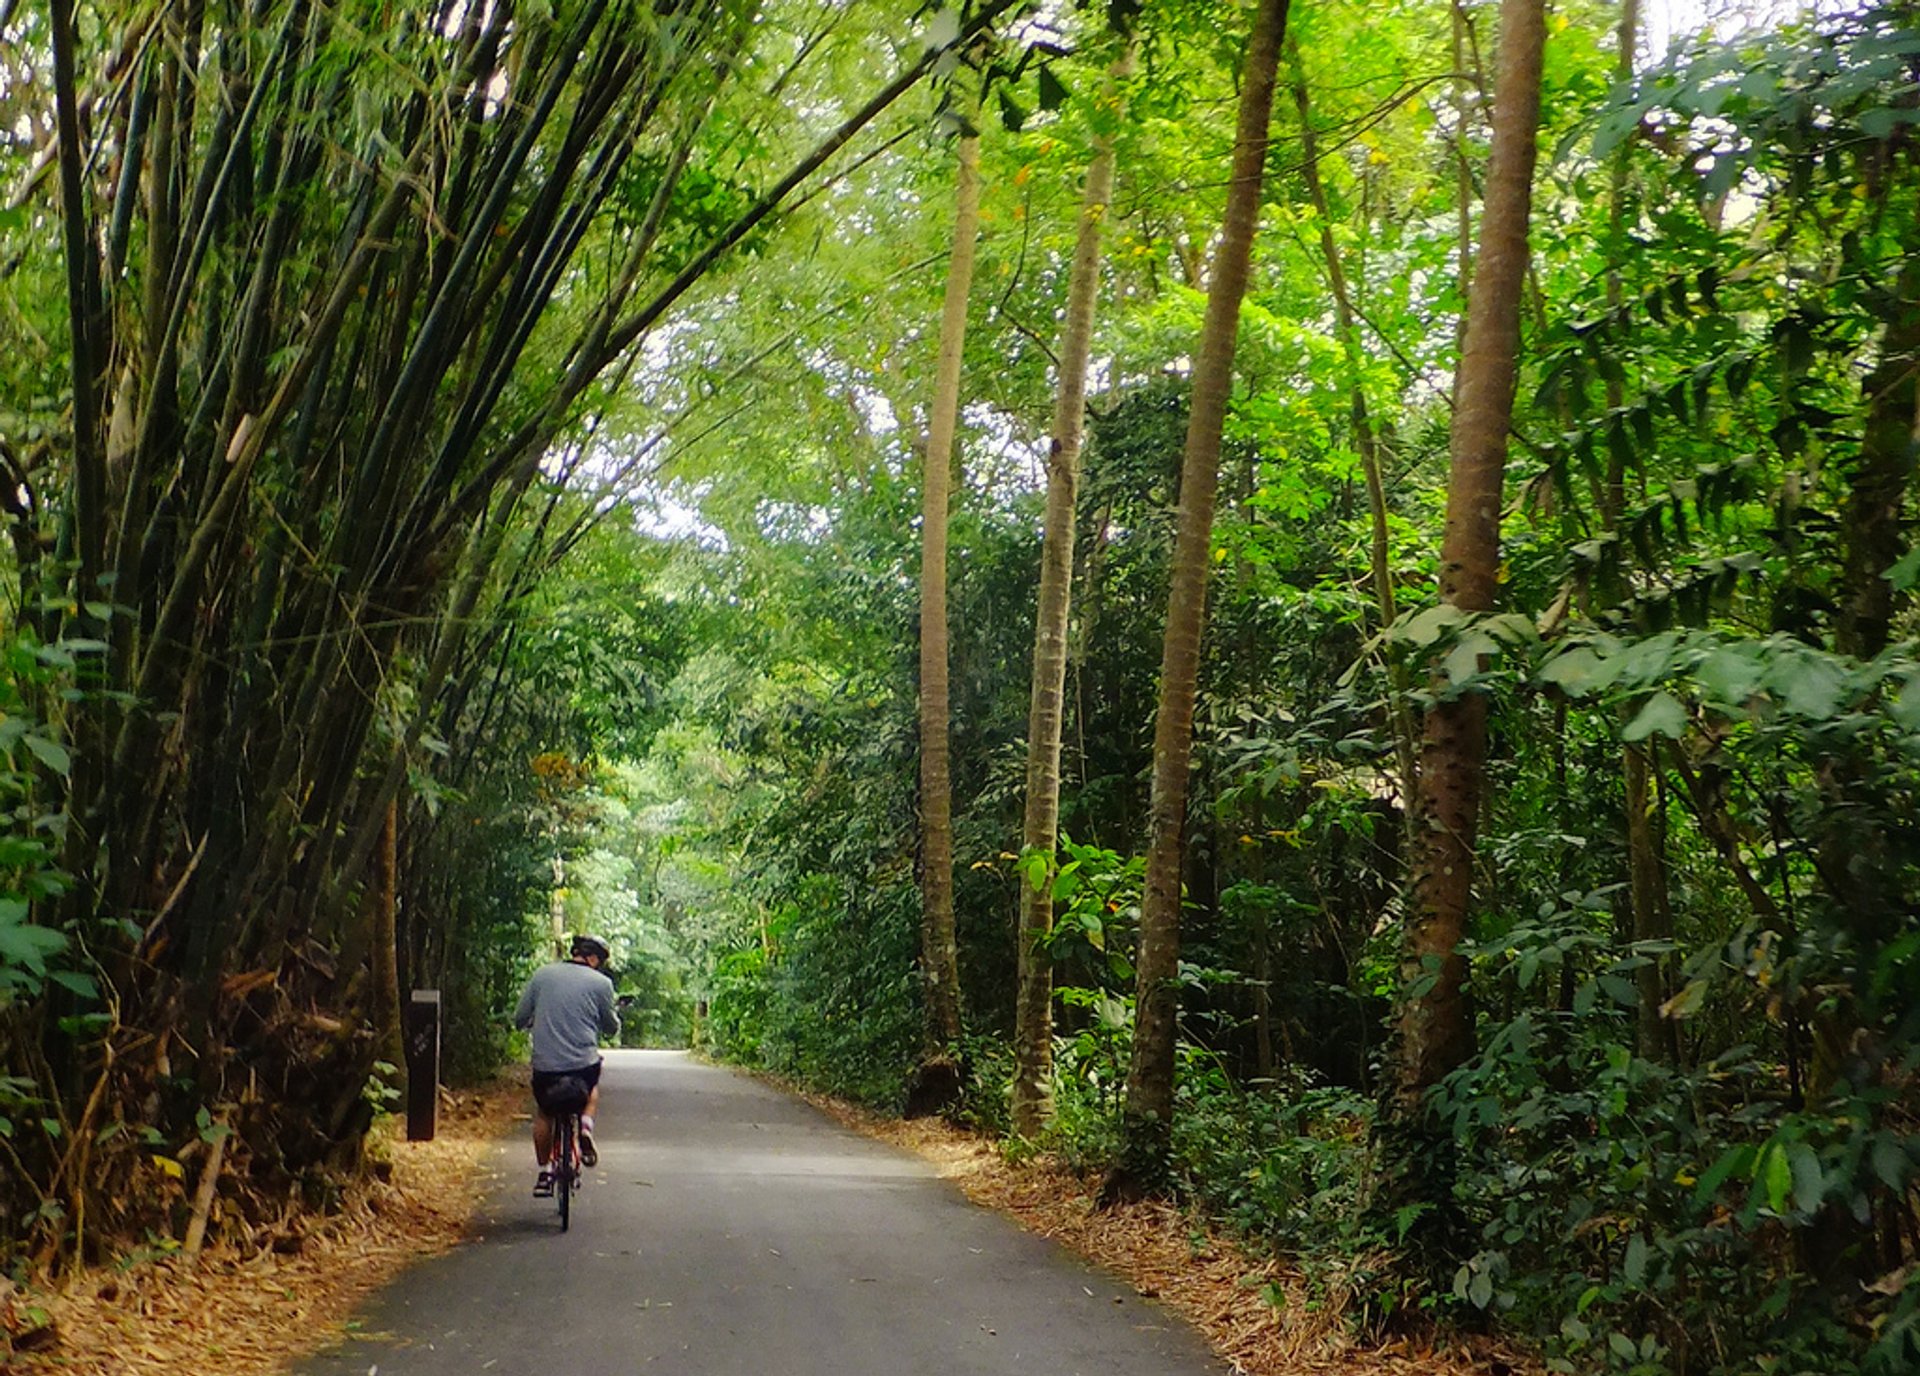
609,1012
523,1015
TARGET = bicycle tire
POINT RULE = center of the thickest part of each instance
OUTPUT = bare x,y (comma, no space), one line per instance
563,1170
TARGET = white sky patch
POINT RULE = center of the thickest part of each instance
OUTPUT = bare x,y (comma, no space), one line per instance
1667,22
876,412
662,516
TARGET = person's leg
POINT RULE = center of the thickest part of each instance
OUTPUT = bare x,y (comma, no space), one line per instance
542,1137
589,1149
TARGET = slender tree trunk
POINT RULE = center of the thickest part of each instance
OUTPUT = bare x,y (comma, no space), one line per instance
1366,438
1434,1022
1033,1009
1147,1117
385,899
939,951
1646,865
87,322
1876,500
1463,173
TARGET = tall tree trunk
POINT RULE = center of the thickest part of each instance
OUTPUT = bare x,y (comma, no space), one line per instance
1465,80
385,900
1033,1008
1646,866
1876,499
1366,437
1434,1022
1147,1119
939,950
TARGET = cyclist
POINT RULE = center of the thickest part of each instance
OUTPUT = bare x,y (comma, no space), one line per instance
569,1005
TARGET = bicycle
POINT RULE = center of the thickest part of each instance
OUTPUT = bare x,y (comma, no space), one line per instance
565,1164
563,1102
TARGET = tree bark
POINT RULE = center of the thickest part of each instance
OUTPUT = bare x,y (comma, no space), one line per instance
939,950
1033,1008
1654,1033
1366,437
386,949
1148,1114
1871,534
1434,1023
87,322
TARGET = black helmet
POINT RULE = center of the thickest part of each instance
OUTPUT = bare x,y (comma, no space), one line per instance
585,945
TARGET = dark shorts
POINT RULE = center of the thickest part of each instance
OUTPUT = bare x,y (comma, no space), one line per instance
545,1080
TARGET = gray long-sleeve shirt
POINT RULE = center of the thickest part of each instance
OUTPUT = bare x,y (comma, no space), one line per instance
569,1006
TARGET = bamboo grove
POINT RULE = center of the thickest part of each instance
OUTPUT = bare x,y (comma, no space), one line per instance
1305,606
336,284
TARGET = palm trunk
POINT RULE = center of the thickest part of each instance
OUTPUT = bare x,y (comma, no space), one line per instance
1033,1008
1147,1117
939,952
1435,1025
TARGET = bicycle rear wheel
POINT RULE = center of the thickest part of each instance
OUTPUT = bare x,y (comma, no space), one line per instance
563,1168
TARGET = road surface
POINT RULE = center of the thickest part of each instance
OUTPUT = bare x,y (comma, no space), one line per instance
730,1230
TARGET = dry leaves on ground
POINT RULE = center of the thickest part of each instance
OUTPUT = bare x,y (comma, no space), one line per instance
244,1313
1165,1253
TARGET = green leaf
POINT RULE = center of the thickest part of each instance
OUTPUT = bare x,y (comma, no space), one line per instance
1773,1172
943,30
28,946
1890,1161
1636,1267
1906,707
1576,673
1663,714
81,984
1733,1161
52,754
1463,661
1428,626
1730,677
1809,1181
1621,990
1480,1290
1809,686
1878,123
1622,1346
1904,574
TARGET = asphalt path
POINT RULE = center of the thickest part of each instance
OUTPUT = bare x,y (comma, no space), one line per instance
731,1230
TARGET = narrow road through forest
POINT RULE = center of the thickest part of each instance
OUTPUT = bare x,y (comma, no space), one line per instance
730,1229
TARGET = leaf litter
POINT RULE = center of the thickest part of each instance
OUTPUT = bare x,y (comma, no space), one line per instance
254,1305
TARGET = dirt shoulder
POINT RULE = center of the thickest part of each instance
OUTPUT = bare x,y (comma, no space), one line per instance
253,1309
1261,1316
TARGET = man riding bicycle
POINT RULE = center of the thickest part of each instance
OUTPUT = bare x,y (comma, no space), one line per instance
568,1005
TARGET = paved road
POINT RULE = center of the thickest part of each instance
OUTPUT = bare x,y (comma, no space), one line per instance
730,1231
